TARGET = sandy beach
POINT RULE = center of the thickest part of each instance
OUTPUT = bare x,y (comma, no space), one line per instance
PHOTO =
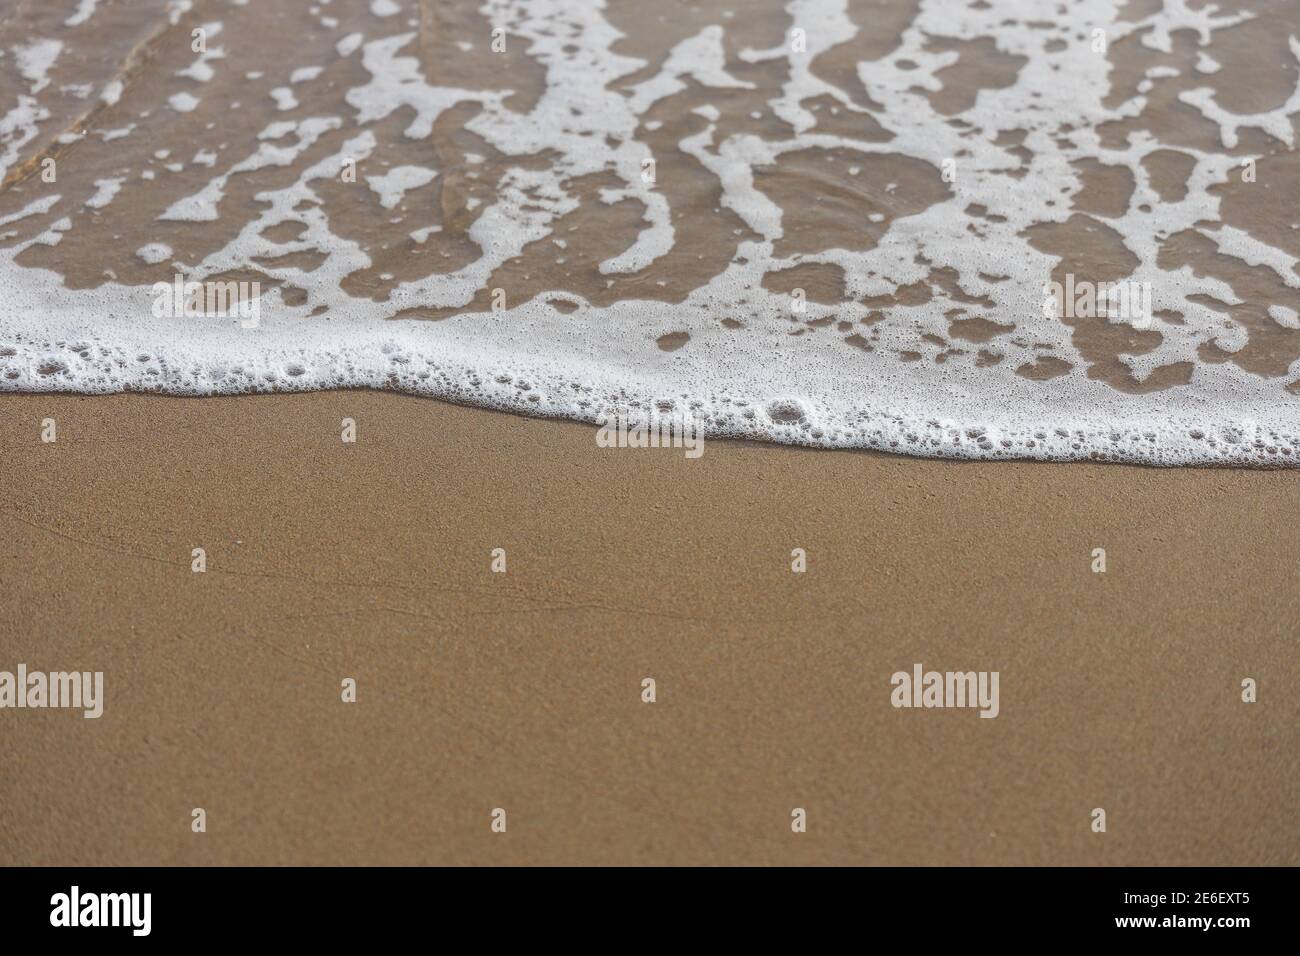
523,690
309,315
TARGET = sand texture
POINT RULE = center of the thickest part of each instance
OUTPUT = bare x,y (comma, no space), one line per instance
522,691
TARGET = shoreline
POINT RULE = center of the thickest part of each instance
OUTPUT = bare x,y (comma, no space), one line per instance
1284,464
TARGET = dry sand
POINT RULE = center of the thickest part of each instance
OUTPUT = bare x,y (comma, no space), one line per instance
522,690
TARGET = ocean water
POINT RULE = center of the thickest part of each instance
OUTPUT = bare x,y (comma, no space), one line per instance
1003,229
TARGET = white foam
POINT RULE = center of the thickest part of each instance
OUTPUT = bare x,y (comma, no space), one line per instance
202,206
34,208
182,102
284,98
395,184
34,61
154,253
85,10
1285,316
111,134
761,381
105,190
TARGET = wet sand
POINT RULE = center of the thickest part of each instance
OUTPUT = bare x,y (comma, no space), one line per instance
522,690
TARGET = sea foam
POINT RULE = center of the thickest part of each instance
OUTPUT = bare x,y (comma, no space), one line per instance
787,228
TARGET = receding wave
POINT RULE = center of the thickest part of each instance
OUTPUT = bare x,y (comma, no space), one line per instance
938,227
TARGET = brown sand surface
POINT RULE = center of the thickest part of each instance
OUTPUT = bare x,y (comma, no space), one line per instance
522,690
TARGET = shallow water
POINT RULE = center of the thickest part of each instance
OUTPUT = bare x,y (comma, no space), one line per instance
831,222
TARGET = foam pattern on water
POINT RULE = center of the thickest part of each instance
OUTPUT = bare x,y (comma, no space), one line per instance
873,363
